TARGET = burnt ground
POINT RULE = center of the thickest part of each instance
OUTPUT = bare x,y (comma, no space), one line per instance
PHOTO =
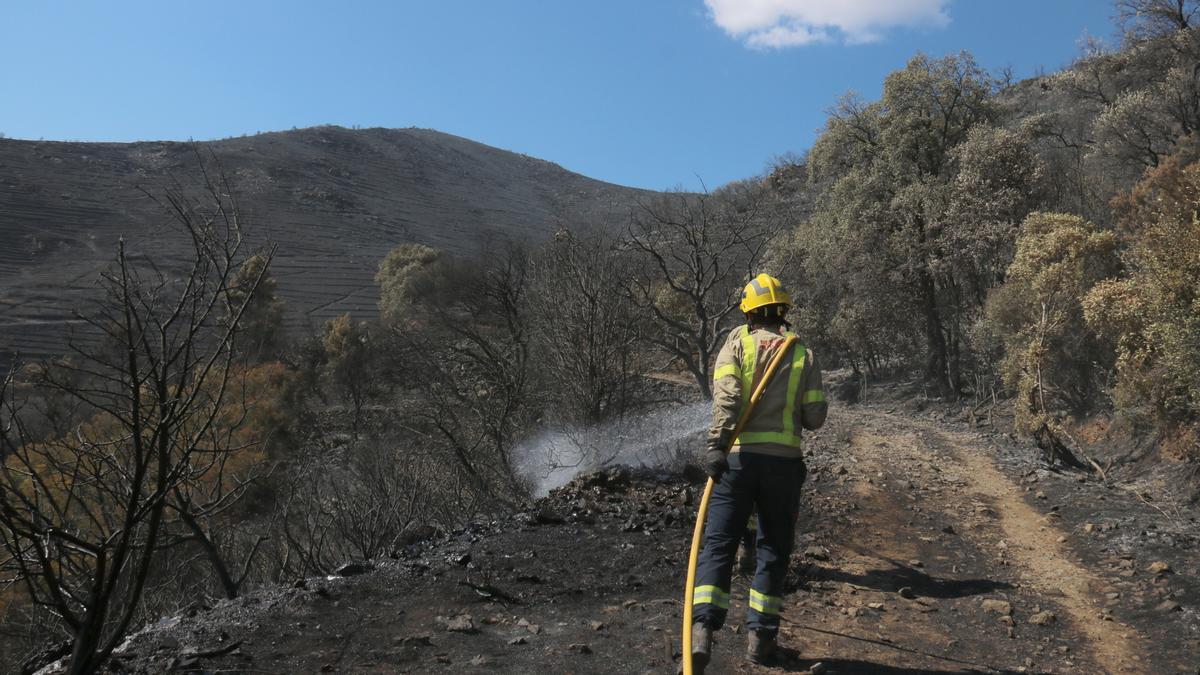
926,546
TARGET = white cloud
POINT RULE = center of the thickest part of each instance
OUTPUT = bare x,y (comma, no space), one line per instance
792,23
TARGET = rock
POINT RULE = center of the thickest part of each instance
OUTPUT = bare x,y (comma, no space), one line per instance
1040,495
916,563
481,660
548,516
949,529
351,569
855,612
416,640
1089,527
818,668
519,640
1158,567
533,628
1169,606
597,625
817,552
462,623
906,593
875,605
580,648
1007,620
1043,618
999,607
841,471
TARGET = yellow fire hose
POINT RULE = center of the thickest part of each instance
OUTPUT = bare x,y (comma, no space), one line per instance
698,532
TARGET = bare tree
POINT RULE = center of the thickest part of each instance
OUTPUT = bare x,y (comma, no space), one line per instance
587,343
84,512
1148,19
698,250
472,367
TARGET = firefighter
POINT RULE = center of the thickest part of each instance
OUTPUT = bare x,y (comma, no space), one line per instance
762,472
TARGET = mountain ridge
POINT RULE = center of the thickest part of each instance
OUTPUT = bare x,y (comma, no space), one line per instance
335,200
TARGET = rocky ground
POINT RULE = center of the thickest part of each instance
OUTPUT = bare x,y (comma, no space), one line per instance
928,545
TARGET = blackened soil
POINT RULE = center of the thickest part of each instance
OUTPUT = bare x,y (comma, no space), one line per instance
926,546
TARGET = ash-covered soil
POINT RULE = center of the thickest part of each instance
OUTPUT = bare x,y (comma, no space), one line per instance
926,546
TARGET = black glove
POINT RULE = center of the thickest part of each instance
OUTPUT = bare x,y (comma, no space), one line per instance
714,461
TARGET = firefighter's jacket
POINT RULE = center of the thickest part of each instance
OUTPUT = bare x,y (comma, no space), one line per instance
793,400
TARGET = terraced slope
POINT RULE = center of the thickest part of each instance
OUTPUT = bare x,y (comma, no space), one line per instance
335,201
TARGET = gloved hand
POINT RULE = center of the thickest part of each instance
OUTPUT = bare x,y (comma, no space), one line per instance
714,462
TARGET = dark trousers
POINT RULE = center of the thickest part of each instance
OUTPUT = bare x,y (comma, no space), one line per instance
772,486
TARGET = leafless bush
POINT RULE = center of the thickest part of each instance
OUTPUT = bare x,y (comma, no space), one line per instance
84,511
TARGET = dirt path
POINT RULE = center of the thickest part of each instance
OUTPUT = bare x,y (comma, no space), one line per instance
990,582
1043,563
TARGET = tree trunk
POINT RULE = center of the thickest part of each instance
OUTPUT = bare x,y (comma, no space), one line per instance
212,553
937,361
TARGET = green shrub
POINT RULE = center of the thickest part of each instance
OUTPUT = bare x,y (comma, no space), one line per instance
1051,360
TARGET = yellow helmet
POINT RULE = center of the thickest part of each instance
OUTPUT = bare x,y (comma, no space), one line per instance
764,290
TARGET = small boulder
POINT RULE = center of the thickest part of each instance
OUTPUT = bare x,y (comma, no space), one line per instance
462,623
1169,606
548,516
1158,567
580,648
1043,618
351,569
906,593
1003,608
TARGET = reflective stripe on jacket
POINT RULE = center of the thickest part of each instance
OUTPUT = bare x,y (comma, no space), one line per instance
793,400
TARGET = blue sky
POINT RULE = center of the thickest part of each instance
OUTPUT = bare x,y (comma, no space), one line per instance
650,93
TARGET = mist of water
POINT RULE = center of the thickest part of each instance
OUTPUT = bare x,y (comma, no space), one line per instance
659,438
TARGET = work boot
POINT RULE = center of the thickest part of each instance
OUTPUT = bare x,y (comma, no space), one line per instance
761,647
702,638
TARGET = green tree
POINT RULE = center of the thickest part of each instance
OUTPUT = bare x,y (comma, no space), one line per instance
349,361
259,334
1152,313
921,196
406,276
1051,360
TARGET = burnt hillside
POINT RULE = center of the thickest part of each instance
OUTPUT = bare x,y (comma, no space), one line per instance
334,200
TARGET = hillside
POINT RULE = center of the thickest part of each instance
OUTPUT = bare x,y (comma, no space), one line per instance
334,200
928,543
